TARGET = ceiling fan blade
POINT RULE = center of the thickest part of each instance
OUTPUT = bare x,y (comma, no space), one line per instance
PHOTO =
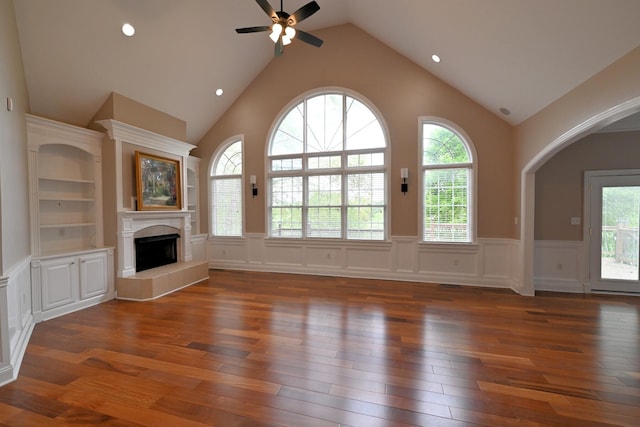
279,50
252,29
303,13
308,38
264,4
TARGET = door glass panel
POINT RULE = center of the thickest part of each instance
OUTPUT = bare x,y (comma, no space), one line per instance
619,234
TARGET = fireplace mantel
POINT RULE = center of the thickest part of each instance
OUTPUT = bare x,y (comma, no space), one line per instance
130,222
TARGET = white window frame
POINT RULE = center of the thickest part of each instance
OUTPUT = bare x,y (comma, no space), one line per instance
212,163
343,171
472,185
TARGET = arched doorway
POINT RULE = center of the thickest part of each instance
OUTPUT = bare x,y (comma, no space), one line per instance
527,182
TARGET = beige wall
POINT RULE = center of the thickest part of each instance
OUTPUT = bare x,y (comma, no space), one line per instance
560,182
14,189
126,110
401,91
535,138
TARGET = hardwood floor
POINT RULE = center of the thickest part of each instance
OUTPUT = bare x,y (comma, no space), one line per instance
259,349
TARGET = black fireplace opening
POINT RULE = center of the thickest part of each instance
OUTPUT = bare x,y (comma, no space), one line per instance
155,251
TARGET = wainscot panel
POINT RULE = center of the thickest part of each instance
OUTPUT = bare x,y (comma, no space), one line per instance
369,257
329,257
16,319
199,247
559,266
486,263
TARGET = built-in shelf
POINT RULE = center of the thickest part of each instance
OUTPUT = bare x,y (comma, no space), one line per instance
69,225
66,199
63,179
193,168
65,176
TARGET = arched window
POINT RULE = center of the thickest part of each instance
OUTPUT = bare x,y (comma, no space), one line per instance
226,190
448,177
327,170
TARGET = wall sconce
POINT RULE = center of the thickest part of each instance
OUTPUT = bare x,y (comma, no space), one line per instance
404,174
254,189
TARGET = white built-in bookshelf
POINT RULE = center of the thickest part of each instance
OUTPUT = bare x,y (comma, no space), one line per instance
71,268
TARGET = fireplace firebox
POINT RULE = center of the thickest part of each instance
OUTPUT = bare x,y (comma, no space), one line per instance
155,251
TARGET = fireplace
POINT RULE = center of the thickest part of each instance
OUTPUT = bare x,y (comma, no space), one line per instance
156,251
134,225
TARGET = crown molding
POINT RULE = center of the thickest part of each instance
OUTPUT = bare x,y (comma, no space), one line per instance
124,132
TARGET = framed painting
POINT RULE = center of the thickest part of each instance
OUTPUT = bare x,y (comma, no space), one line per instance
157,183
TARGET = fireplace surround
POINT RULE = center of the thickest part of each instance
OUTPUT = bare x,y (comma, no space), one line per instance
134,225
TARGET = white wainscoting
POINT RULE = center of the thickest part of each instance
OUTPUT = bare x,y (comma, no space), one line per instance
559,266
16,319
199,247
489,262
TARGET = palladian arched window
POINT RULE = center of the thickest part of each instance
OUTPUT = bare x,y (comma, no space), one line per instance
328,170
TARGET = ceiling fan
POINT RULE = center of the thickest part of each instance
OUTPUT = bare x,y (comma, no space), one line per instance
282,30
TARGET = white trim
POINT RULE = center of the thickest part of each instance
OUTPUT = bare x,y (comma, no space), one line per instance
45,131
127,133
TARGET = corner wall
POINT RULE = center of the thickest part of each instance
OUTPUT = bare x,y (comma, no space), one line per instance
15,284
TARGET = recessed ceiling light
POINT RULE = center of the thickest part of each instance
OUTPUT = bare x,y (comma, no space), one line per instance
219,92
128,30
435,58
505,111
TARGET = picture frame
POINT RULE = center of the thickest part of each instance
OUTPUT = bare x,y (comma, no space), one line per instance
157,183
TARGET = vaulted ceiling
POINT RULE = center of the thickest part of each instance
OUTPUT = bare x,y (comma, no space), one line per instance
518,55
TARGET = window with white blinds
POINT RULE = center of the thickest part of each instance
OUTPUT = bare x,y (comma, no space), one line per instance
226,191
327,171
447,167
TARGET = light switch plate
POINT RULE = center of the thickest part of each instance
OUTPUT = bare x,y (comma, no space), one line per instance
575,220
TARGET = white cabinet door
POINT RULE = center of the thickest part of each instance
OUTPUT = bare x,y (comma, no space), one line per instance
93,275
59,280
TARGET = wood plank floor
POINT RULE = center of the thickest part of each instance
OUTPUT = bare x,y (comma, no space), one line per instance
259,349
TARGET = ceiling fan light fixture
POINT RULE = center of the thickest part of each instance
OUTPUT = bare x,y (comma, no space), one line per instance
290,32
276,32
281,29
